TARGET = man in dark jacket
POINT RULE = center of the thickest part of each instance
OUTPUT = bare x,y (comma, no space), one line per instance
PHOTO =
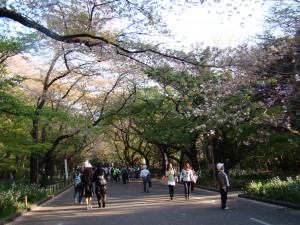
124,173
223,183
100,186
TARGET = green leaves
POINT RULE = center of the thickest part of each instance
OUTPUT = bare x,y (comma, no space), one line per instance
276,189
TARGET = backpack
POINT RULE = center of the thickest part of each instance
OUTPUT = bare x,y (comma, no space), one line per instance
124,171
77,179
148,177
101,180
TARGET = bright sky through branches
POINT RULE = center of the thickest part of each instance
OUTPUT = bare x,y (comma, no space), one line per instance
223,24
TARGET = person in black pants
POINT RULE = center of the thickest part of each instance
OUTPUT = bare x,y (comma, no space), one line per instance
100,186
146,177
187,178
87,178
223,183
124,173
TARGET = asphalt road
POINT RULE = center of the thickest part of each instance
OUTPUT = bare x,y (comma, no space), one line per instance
129,205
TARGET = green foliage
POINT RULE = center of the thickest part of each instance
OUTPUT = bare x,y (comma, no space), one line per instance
239,179
283,190
12,199
9,46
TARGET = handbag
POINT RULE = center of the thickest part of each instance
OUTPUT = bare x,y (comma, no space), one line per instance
193,179
176,179
164,180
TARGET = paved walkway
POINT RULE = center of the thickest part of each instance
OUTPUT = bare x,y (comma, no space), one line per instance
129,205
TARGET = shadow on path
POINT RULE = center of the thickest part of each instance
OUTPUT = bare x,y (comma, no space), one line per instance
129,205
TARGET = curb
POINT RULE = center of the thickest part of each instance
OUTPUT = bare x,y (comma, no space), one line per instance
207,188
274,202
215,189
12,217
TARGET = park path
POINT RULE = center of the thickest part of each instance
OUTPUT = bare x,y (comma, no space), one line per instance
129,205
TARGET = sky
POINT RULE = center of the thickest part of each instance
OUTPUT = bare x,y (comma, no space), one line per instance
219,24
223,24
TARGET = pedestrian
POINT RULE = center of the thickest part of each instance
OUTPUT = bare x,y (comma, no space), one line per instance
146,177
93,180
111,172
100,186
187,178
124,173
116,174
77,177
171,176
106,172
136,172
130,170
88,187
223,183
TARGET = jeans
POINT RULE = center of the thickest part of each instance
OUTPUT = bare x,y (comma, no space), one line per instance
78,192
187,188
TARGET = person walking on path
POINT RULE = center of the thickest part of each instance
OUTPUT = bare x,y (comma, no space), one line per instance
77,186
124,173
88,187
170,174
187,177
223,183
100,186
116,174
145,175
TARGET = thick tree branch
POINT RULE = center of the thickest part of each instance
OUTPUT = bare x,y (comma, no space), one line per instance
91,40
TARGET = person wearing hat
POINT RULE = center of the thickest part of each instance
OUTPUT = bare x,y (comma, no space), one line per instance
223,183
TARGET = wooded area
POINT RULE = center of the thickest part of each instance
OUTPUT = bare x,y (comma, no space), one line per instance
91,80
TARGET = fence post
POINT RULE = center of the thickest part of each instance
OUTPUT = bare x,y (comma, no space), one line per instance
26,204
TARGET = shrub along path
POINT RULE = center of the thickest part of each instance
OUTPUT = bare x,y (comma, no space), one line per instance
129,205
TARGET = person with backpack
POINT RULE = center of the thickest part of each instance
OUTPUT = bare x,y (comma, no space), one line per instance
116,174
77,187
100,186
124,173
146,177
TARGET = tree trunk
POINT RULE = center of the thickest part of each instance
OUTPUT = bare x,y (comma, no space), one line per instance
49,160
181,160
34,158
194,157
33,177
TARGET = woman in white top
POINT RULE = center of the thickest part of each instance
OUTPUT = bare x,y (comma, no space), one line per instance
187,177
170,174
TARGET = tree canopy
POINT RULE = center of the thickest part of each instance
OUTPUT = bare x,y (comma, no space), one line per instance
96,80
